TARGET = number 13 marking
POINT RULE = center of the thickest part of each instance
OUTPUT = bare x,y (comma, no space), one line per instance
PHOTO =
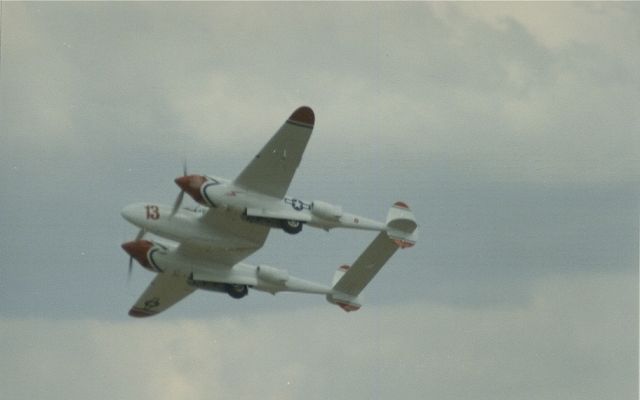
152,212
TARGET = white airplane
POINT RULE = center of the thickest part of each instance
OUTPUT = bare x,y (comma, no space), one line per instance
209,242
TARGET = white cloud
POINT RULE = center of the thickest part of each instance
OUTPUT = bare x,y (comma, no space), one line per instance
36,74
538,96
525,92
561,24
577,338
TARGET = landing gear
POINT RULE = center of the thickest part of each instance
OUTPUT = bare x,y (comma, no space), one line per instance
237,291
291,226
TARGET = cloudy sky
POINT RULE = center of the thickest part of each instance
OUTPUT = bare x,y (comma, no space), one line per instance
511,130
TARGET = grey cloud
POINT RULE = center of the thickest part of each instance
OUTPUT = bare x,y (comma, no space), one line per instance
209,74
576,338
516,148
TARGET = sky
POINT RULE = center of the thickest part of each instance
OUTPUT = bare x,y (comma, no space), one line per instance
510,129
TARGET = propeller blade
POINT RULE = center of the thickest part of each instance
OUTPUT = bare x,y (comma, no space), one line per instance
140,234
138,237
130,269
177,203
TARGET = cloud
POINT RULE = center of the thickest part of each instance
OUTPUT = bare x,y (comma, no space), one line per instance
551,27
514,93
576,338
427,103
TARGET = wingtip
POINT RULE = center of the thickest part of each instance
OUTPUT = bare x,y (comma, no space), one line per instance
140,313
303,115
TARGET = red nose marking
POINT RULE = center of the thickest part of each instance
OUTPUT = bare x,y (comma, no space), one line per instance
138,250
191,185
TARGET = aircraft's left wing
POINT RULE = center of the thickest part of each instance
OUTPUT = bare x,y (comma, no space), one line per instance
272,169
163,292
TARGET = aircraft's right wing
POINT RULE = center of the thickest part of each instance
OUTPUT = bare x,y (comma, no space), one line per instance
164,291
272,169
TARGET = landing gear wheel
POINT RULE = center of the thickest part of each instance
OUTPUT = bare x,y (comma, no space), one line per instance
237,291
291,226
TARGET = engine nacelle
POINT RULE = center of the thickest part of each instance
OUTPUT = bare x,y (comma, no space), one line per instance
273,275
143,252
198,187
325,210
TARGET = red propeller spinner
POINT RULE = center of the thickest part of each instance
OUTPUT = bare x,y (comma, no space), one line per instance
138,250
191,184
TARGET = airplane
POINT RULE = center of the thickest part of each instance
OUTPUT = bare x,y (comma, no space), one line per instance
203,247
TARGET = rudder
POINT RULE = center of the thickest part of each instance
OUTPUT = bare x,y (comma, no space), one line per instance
401,225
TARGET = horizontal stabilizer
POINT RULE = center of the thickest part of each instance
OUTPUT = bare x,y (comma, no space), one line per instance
352,280
366,266
349,281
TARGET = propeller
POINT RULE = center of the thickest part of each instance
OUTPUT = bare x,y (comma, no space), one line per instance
138,237
178,202
174,210
130,269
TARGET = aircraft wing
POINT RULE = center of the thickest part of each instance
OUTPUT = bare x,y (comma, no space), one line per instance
163,292
238,238
272,169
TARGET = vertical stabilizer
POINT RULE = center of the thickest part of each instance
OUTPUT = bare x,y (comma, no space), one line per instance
401,225
339,273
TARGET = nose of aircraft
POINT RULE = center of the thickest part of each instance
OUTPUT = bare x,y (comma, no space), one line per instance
191,184
133,213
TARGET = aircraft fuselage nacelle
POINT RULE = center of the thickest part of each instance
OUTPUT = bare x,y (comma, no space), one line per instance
287,213
235,280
